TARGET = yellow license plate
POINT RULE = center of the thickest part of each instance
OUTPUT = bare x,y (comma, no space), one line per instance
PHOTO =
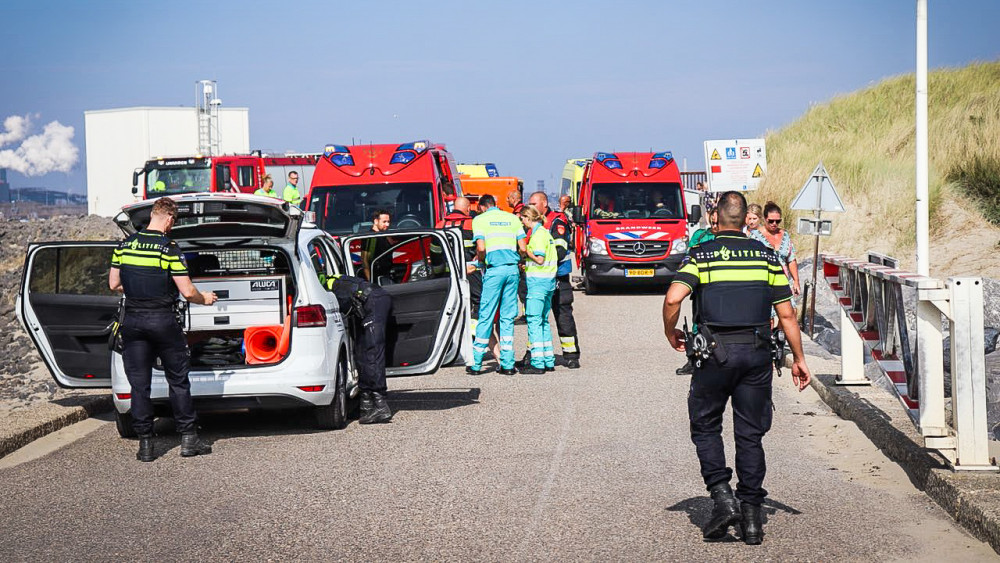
638,273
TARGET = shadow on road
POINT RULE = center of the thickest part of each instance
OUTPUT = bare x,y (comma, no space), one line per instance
699,510
432,399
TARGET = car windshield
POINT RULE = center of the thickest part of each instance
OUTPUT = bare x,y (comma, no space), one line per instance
169,181
343,210
637,201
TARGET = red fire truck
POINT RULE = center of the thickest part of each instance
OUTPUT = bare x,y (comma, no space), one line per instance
632,220
415,182
226,173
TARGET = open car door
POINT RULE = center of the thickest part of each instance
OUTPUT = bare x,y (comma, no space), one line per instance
67,309
421,272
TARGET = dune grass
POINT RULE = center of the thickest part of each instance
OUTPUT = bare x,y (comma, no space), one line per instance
866,140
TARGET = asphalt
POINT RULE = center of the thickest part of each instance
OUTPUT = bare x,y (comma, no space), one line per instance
591,464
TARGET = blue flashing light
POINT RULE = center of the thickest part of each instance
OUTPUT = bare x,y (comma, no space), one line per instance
665,155
333,149
402,157
415,146
657,163
339,159
602,156
491,170
612,164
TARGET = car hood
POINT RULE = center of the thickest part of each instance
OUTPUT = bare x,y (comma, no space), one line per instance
219,215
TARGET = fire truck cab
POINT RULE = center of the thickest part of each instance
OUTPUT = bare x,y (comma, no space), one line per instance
415,182
632,219
226,173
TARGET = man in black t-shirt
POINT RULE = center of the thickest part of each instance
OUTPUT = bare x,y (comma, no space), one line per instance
149,268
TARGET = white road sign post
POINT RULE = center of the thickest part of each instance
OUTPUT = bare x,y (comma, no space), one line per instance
817,195
735,164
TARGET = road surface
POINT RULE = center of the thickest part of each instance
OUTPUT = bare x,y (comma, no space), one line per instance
593,464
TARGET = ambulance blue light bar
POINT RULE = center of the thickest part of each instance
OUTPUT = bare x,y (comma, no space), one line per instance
609,160
491,170
339,159
402,157
660,159
415,146
331,149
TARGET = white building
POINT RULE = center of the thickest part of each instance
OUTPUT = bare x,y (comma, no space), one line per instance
121,140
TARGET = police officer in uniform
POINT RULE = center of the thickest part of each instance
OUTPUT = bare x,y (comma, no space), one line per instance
371,304
461,219
149,268
562,298
735,281
499,239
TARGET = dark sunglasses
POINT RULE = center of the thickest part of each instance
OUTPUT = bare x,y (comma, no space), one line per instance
774,221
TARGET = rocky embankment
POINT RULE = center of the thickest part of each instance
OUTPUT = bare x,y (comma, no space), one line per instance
23,378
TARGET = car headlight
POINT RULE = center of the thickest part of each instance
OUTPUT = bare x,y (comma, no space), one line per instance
680,245
418,270
597,246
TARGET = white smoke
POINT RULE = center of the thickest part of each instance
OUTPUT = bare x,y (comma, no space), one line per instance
50,151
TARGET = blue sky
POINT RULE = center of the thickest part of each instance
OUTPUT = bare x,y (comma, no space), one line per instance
524,84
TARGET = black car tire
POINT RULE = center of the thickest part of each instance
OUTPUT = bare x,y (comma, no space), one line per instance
590,286
334,415
123,422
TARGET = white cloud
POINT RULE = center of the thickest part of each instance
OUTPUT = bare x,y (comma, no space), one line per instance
50,151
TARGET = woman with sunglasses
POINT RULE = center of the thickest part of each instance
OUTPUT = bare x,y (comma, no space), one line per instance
780,241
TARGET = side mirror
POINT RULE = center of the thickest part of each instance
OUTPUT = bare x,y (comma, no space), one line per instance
695,216
135,182
575,214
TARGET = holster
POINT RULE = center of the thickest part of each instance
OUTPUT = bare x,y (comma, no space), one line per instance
115,343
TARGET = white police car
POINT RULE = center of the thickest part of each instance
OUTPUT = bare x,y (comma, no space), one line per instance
267,267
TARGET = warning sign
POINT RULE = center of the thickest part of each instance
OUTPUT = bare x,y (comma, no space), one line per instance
743,168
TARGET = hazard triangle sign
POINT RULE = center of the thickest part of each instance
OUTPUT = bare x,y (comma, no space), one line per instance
818,194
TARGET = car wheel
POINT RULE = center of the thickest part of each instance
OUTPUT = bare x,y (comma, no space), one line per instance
123,422
590,287
334,415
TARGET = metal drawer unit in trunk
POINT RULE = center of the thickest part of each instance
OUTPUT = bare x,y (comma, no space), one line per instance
243,302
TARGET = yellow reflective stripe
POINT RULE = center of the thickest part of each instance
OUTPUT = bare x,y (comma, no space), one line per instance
734,276
689,268
177,266
778,279
129,260
736,263
562,242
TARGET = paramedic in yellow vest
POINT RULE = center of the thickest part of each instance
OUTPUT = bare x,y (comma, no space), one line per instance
499,243
540,274
291,193
267,187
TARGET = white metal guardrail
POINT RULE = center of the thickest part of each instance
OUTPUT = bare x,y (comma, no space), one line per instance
873,323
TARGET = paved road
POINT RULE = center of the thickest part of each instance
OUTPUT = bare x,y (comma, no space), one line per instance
593,464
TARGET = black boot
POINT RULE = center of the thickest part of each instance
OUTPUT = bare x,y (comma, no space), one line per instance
753,524
573,363
686,369
191,445
531,370
525,361
145,452
374,409
725,513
